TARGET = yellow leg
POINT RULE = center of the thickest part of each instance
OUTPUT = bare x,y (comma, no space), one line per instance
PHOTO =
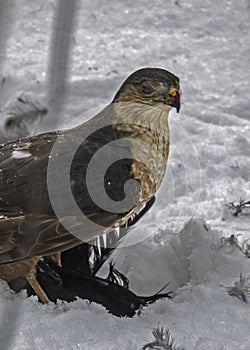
31,278
57,259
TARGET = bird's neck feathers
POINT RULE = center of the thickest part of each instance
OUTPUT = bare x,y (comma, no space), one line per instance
150,125
155,118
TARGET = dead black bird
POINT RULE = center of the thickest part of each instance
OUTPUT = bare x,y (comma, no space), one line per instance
51,199
76,278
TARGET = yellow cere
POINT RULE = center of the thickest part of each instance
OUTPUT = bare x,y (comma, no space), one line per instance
173,92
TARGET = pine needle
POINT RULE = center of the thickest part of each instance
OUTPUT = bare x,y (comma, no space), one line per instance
163,340
241,289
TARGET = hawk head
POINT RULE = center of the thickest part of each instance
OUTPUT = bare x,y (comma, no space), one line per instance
151,86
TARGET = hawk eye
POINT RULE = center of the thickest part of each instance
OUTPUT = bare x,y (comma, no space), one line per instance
147,89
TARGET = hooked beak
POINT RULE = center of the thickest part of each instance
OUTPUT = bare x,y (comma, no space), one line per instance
173,99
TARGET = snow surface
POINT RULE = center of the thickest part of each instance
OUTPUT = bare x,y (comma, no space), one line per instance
207,44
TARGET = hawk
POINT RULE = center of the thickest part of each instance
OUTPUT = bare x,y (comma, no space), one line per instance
61,188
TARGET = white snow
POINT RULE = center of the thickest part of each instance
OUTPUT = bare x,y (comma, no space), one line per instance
207,44
20,154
